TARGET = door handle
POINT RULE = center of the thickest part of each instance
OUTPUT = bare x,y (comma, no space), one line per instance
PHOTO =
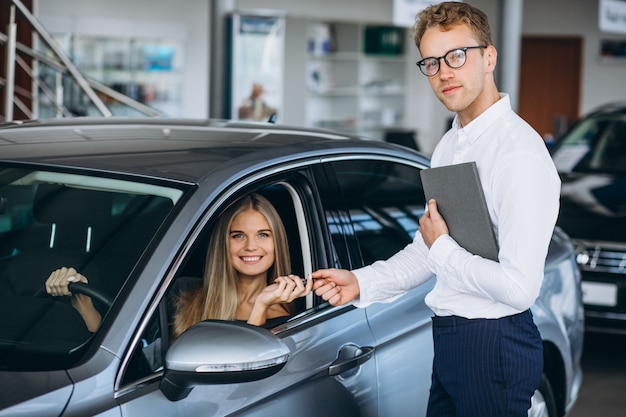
350,357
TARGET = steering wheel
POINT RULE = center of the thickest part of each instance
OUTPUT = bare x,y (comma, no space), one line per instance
81,288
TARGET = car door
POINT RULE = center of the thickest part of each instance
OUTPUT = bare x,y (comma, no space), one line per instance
329,371
385,200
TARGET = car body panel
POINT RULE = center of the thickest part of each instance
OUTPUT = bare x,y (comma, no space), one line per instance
299,383
398,328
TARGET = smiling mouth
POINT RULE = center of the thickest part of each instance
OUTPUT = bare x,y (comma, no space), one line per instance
250,258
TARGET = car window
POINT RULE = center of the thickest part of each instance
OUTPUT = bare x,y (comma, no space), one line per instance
385,200
596,144
147,355
281,196
336,222
49,220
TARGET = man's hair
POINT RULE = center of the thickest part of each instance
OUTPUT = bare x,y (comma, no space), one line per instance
448,14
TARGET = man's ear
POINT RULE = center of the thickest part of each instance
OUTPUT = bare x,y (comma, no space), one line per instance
491,54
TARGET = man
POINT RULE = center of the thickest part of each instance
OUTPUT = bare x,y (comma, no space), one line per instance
488,355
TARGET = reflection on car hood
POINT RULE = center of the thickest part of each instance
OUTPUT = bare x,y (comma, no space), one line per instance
593,206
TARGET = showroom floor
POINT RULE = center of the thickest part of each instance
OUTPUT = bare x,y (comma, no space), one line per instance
604,377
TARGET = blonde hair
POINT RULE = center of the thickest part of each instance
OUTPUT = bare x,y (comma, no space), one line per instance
217,298
449,14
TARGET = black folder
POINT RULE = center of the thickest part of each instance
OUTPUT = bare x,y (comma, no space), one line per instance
461,202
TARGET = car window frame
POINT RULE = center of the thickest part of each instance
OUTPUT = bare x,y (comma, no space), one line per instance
302,185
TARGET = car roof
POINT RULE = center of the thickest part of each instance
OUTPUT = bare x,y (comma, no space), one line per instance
174,149
608,108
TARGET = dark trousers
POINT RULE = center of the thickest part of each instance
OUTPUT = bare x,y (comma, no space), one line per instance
485,367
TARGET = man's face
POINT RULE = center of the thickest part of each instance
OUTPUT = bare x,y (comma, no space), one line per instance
461,90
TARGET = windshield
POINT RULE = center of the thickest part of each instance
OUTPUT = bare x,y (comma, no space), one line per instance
597,144
50,220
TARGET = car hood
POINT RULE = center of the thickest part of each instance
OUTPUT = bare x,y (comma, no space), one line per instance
48,392
593,206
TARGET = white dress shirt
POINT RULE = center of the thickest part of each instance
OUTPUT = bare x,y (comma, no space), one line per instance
522,190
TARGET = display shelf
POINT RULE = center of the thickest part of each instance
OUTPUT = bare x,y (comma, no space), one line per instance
349,86
146,69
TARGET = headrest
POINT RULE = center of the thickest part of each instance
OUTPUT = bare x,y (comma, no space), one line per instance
60,204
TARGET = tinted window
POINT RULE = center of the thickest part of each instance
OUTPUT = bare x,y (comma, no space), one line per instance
48,220
336,222
385,201
596,144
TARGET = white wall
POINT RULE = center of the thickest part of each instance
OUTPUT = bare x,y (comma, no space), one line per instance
146,18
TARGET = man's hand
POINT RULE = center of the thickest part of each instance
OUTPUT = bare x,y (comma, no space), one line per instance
432,225
337,286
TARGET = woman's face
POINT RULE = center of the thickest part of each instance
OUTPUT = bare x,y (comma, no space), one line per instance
251,244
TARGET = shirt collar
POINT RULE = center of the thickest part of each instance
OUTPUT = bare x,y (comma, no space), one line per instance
477,126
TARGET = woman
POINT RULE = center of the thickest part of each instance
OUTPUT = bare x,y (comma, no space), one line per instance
246,276
247,271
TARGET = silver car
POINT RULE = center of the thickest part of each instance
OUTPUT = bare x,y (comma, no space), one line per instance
131,203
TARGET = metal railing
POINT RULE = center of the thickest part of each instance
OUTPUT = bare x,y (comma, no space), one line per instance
51,73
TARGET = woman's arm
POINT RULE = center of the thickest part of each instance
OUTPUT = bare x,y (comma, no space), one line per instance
284,290
57,285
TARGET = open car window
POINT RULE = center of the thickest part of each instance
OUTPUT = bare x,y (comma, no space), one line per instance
285,200
48,220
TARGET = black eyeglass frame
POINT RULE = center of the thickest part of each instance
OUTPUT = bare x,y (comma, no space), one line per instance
420,63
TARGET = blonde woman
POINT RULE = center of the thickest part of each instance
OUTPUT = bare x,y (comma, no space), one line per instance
247,276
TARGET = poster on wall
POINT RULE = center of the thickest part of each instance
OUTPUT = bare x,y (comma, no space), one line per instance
612,16
256,66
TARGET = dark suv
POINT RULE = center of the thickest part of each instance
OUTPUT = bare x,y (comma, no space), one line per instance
591,159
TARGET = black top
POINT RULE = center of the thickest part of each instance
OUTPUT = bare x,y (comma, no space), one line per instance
185,284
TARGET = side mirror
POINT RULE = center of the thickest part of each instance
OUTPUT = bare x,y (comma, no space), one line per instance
221,352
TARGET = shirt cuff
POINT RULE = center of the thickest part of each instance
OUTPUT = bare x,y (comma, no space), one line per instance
361,276
439,253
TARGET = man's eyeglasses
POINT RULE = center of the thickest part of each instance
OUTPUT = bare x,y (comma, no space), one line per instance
454,58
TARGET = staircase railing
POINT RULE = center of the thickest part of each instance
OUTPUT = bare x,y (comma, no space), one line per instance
51,74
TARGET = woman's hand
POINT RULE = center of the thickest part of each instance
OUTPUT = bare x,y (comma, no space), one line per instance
284,290
58,283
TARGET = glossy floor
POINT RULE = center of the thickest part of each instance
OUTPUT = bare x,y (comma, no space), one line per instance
604,380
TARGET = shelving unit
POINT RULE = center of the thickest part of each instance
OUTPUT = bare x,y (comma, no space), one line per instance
353,86
146,69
